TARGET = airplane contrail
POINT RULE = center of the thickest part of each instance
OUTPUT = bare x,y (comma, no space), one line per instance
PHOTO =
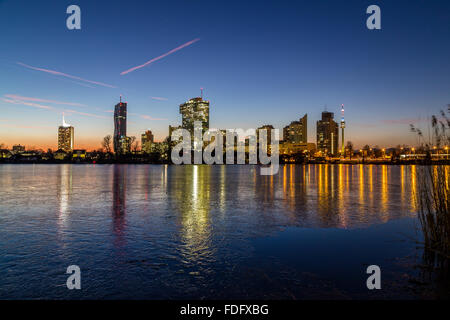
160,57
65,75
18,97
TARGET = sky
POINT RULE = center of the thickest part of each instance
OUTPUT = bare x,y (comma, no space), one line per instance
259,62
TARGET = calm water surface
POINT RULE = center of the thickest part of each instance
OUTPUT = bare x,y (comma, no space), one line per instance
170,232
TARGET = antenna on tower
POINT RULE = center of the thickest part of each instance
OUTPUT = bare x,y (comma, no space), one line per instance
201,93
120,98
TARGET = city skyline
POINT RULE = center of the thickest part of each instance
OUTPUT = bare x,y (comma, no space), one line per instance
250,76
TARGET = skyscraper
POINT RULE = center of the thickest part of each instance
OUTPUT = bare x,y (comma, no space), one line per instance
342,127
196,109
327,134
65,137
147,141
120,127
268,128
297,131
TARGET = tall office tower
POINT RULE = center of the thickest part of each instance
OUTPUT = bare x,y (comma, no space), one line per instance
327,134
120,127
147,141
65,137
196,109
268,128
342,127
297,131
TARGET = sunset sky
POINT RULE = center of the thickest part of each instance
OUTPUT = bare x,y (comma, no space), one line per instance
265,62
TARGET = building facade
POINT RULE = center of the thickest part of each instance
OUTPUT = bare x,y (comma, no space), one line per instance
296,131
147,140
268,128
327,134
66,137
196,109
120,128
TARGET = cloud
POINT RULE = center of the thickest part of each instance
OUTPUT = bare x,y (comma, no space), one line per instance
150,118
35,105
45,107
57,73
144,116
18,126
22,98
85,114
159,98
160,57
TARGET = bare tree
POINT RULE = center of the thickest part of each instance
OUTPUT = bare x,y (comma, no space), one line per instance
135,146
106,143
132,142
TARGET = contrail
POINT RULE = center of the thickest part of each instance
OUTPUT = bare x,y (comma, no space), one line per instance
160,57
17,97
65,75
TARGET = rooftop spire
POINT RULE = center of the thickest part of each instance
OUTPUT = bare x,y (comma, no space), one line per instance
64,122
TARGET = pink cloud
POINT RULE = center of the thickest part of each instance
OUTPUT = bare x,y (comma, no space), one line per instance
17,97
30,104
57,73
150,118
45,107
160,57
144,116
18,126
85,114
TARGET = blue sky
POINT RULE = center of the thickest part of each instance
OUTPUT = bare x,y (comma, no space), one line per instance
266,62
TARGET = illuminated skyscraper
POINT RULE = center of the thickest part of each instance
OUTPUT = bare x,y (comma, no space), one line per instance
327,134
120,127
196,109
65,137
342,127
297,131
268,128
147,141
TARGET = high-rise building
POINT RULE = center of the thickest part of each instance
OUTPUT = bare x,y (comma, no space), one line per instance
196,109
327,134
297,131
342,128
120,127
268,128
65,137
147,141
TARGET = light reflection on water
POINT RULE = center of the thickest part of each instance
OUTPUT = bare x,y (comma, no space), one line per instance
158,231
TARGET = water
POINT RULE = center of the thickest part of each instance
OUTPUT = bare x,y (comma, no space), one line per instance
209,232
